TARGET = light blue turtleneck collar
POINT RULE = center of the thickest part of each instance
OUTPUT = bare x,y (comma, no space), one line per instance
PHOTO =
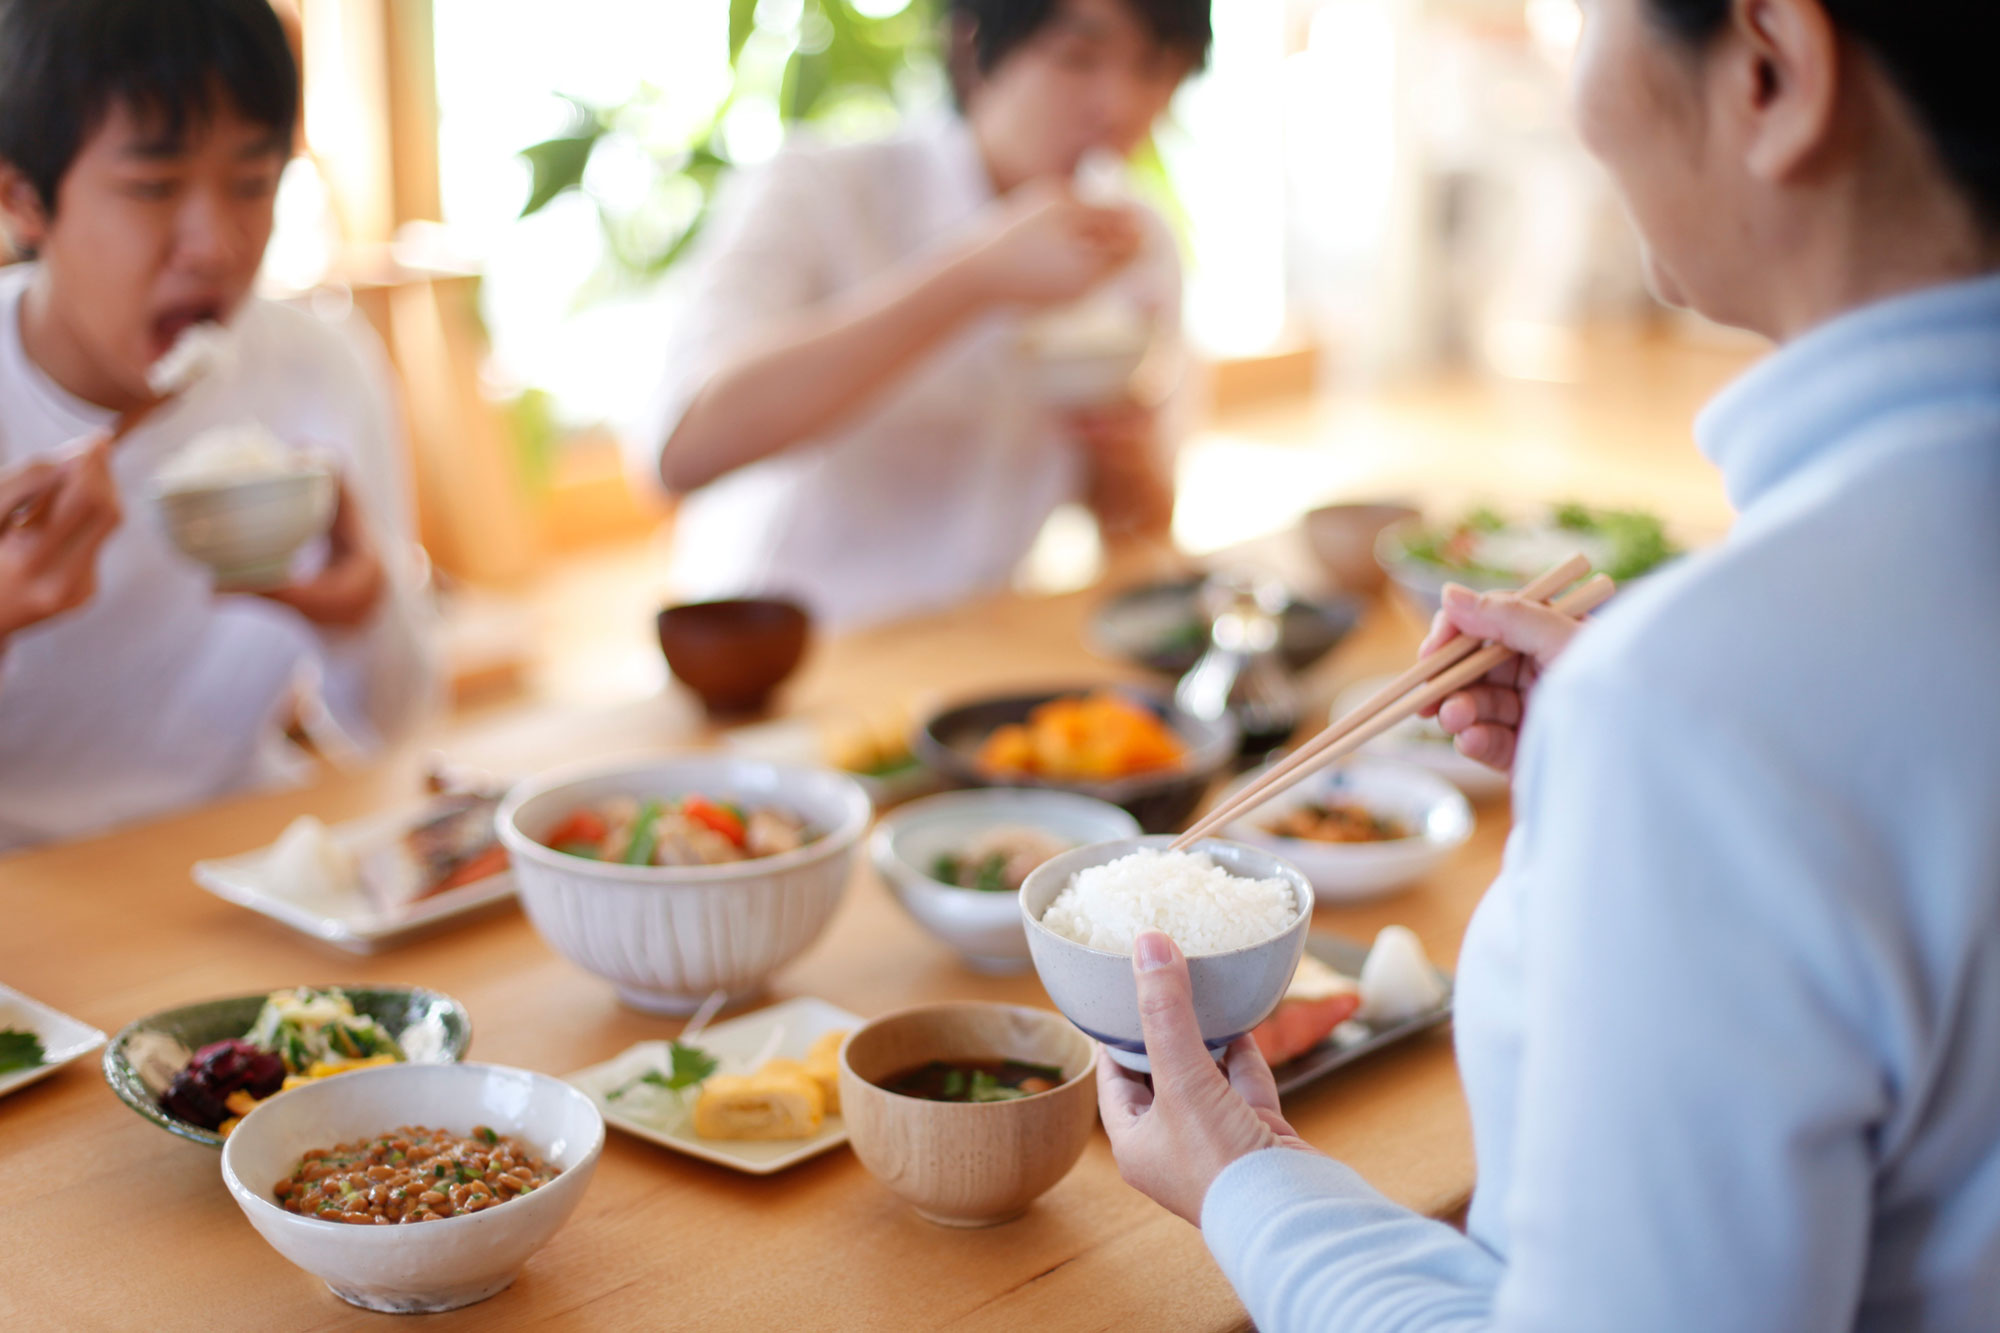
1822,389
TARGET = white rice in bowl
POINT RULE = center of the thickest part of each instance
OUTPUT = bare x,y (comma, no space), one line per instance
1186,895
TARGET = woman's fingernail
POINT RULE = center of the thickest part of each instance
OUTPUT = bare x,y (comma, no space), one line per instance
1454,595
1152,951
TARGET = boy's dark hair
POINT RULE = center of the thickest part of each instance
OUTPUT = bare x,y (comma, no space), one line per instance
999,26
65,63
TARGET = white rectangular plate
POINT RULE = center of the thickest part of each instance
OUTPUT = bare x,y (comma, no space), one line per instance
63,1038
240,880
736,1043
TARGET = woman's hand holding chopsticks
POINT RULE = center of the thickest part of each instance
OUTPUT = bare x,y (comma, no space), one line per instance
1485,718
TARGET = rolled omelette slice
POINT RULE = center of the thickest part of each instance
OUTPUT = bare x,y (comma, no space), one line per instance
823,1063
769,1104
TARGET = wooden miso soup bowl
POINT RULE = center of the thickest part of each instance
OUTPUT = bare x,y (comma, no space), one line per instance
968,1164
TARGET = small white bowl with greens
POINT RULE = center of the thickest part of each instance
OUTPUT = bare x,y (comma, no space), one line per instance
956,862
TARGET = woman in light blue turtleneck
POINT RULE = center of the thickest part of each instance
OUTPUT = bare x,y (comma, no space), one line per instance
1729,1022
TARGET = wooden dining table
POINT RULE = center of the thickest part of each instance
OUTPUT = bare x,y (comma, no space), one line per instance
107,1222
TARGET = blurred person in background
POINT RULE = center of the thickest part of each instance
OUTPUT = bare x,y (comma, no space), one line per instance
141,143
1727,1020
850,409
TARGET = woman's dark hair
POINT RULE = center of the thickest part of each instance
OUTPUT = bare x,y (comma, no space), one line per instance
1940,53
65,63
1000,26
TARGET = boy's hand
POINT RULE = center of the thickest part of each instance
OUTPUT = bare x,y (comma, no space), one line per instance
1041,247
54,518
349,588
1130,489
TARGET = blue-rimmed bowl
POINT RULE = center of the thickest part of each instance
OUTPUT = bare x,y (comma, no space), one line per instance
1094,988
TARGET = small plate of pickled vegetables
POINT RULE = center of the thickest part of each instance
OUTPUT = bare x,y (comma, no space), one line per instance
196,1070
757,1094
36,1040
686,830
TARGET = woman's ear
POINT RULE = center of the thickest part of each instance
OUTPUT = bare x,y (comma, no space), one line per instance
22,217
1789,94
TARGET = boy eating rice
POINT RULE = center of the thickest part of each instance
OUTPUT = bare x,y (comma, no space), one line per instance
141,143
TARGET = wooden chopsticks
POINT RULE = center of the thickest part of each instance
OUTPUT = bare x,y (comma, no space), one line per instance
28,513
1431,680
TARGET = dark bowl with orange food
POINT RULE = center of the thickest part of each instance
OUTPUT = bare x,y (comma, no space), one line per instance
1130,747
734,654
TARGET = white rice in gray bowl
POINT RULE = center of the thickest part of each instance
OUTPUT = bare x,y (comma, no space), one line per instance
1186,895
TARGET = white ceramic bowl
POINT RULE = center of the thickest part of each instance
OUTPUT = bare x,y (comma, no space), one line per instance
984,927
248,531
1077,380
667,937
1233,991
1436,812
416,1267
1422,742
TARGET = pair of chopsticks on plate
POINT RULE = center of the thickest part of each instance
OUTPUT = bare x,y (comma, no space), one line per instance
1432,680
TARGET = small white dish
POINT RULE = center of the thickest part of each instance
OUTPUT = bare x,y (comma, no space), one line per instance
416,1267
243,880
984,927
1421,741
63,1038
1437,812
785,1030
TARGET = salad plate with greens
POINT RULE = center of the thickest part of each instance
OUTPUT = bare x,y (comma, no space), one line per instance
36,1040
196,1070
1486,549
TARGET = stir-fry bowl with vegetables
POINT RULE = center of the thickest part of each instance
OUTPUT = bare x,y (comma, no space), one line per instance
674,878
464,1255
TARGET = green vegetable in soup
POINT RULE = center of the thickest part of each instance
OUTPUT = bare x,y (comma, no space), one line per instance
988,875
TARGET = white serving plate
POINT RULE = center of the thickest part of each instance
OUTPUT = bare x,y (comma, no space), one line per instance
735,1043
63,1038
1421,741
241,880
1348,872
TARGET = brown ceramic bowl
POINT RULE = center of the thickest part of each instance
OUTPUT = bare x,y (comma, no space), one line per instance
966,1164
1343,538
734,654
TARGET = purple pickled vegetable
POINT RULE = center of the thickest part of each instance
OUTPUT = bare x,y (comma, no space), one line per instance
189,1098
229,1065
198,1093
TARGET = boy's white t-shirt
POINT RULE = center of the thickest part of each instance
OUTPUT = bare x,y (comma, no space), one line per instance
159,693
938,488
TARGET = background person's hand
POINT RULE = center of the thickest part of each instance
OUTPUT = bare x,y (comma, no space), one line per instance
1131,486
1042,247
348,588
1174,1138
48,558
1485,718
